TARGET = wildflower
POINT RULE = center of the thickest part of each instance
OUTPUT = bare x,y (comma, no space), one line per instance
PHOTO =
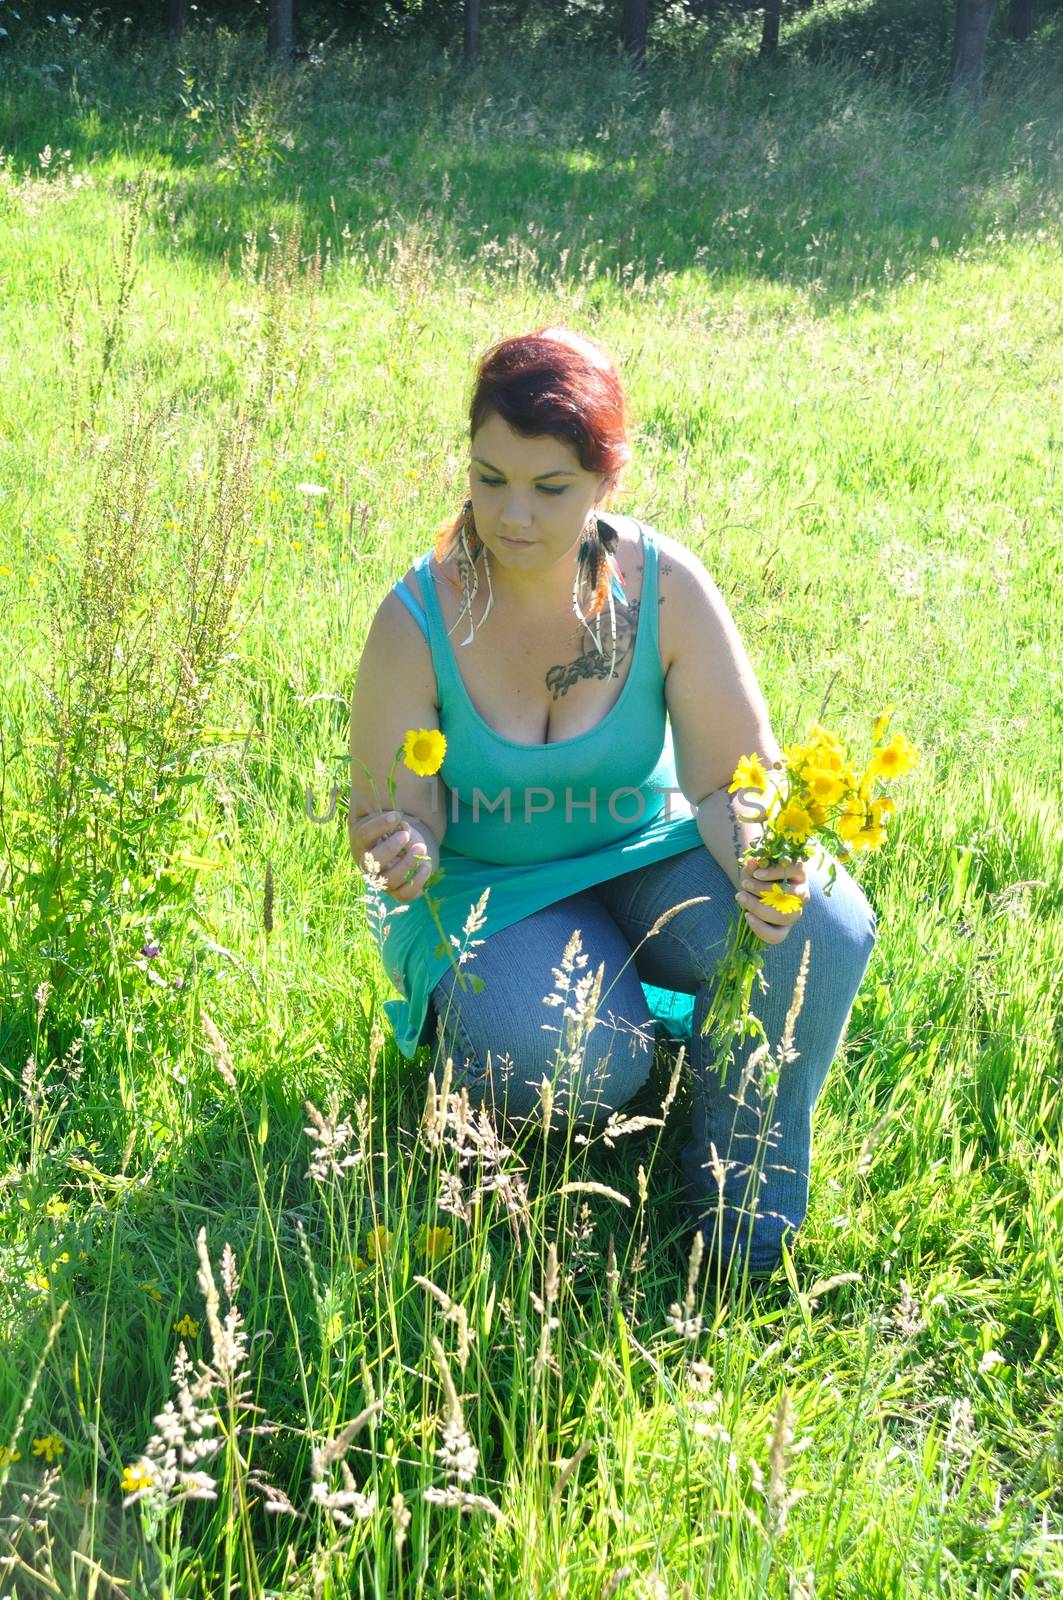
8,1454
185,1438
820,795
991,1359
50,1447
151,1288
434,1241
311,488
188,1325
38,1280
228,1338
138,1477
462,1500
705,1402
378,1242
56,1208
149,951
403,1517
423,750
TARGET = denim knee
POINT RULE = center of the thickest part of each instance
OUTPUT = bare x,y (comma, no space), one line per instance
840,922
612,1064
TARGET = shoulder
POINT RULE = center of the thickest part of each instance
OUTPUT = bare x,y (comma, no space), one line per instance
687,597
413,583
395,642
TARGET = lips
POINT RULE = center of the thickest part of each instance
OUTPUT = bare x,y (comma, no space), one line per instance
520,542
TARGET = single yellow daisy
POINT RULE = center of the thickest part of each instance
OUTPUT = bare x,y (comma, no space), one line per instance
894,759
434,1242
141,1476
824,787
795,822
423,750
780,899
750,773
378,1240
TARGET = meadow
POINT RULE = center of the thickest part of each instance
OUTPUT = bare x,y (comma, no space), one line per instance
242,1238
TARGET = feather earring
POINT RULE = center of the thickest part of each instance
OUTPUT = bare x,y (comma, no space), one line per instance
469,526
592,554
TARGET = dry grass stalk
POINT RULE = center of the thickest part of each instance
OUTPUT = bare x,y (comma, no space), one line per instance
217,1049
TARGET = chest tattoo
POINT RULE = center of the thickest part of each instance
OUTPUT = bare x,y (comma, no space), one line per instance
590,664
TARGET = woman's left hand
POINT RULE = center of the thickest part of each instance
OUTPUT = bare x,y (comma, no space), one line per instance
768,924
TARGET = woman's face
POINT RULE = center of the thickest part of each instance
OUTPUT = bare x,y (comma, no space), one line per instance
531,490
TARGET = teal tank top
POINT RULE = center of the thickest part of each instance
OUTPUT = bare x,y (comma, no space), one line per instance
515,804
533,824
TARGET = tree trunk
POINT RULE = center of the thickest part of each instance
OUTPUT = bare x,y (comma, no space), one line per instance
174,17
769,38
968,48
634,28
472,32
281,32
1020,20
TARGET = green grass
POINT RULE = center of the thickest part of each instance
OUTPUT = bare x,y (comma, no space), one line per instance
836,308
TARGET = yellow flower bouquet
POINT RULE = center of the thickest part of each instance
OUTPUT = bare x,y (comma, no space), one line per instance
821,798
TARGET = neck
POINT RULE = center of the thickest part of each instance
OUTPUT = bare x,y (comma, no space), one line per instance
546,593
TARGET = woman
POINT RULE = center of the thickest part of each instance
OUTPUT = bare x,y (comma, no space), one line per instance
595,698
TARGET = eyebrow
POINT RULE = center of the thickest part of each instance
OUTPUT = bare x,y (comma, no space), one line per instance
558,472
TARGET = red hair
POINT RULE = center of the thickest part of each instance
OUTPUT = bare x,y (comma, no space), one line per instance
561,383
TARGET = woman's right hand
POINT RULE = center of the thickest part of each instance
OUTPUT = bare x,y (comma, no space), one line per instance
398,847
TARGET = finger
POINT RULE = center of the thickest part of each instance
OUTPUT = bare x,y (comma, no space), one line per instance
759,911
385,859
422,872
379,826
766,934
389,852
414,882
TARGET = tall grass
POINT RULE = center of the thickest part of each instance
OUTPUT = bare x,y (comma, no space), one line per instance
282,1315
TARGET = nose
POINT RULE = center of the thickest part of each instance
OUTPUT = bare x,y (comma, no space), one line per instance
515,517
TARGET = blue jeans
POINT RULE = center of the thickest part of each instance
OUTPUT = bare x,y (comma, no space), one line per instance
746,1163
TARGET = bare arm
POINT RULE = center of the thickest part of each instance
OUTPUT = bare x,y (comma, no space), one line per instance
717,710
394,691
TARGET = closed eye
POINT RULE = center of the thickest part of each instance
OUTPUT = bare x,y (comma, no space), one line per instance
543,488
